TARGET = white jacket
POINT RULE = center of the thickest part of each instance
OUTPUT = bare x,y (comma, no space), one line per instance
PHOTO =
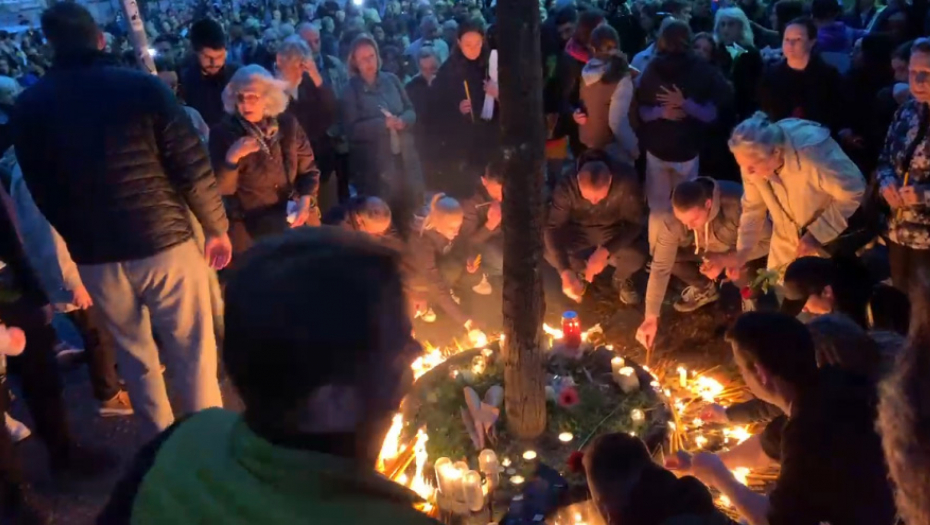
817,190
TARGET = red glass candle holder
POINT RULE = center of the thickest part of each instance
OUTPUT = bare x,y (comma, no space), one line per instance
571,330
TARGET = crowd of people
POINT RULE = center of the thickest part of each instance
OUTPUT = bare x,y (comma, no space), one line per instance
780,147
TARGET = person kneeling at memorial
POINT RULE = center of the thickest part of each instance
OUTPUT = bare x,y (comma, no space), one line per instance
627,486
832,466
319,397
696,243
440,265
596,219
481,228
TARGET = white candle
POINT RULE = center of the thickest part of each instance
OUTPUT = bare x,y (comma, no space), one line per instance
517,480
505,462
487,461
566,437
457,474
682,377
529,455
627,379
471,489
616,364
442,466
637,415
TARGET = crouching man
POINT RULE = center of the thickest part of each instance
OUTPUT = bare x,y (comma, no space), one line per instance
597,219
696,243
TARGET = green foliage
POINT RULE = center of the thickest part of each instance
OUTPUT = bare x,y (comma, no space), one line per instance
601,408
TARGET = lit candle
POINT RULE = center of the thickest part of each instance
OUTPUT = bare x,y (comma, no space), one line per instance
627,379
682,377
517,480
616,364
566,437
571,330
487,461
505,462
471,489
459,468
637,415
529,455
442,466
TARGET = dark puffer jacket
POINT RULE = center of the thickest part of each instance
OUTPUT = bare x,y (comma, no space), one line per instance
113,161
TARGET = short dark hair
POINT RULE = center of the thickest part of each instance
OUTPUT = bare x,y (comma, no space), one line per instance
595,173
848,277
807,24
471,25
674,37
614,463
602,36
692,194
207,33
495,170
284,340
778,342
69,27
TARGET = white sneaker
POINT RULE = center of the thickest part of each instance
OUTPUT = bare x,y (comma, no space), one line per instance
694,297
484,287
18,430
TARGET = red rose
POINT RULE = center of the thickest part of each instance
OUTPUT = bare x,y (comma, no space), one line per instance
746,292
568,397
576,462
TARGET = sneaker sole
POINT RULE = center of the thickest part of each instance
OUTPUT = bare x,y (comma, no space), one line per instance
679,307
115,412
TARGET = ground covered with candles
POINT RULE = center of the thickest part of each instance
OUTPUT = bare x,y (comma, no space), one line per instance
450,443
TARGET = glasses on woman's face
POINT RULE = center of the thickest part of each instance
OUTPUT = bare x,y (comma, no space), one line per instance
248,98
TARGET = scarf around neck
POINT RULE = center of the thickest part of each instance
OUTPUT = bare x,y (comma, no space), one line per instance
265,132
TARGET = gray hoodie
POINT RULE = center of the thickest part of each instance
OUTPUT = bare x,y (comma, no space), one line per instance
719,235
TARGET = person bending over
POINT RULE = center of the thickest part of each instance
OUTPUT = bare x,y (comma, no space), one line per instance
695,243
628,487
832,466
596,219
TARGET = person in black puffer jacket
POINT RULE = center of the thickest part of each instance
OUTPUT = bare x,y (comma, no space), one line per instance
114,163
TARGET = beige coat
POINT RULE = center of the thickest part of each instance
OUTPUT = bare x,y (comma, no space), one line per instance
817,190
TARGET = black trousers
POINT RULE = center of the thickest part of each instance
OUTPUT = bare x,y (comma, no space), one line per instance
906,264
41,385
101,352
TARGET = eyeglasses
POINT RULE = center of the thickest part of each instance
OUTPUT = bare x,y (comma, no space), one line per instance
248,97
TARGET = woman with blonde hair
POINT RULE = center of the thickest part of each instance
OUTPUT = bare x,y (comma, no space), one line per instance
742,63
262,160
793,171
438,263
378,118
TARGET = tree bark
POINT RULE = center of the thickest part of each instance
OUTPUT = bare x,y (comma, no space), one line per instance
523,142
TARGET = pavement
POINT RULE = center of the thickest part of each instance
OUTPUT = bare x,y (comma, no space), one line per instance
694,340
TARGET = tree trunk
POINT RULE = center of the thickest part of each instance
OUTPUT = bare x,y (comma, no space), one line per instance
523,140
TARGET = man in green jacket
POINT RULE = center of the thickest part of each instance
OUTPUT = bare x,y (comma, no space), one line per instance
319,347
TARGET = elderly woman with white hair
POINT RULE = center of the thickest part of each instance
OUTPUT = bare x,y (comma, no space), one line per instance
263,160
794,172
378,118
742,63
